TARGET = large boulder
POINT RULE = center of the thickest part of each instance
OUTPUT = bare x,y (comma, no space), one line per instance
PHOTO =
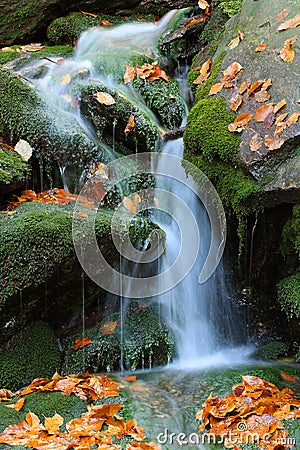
26,20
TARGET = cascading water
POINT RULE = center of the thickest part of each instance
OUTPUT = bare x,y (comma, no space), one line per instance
200,315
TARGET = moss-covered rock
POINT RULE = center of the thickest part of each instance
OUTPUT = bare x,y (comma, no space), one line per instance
272,350
111,120
142,337
289,295
34,353
290,244
206,131
164,100
12,168
25,57
25,115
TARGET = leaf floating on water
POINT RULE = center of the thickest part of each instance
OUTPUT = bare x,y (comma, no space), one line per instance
261,47
104,98
282,15
130,74
108,327
204,72
279,105
130,125
291,23
18,405
66,79
256,142
24,149
236,102
80,343
286,53
240,122
273,142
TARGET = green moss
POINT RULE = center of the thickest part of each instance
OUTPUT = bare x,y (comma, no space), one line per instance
54,135
34,353
290,244
288,291
270,351
110,121
146,340
206,131
12,168
164,99
230,7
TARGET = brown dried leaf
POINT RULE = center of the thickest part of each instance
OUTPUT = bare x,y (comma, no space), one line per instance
281,118
82,342
263,112
240,122
130,74
255,144
262,96
293,119
254,86
235,42
130,125
286,53
244,86
279,105
231,72
273,142
261,47
267,84
216,88
291,23
132,205
204,72
104,98
106,23
282,15
236,102
203,4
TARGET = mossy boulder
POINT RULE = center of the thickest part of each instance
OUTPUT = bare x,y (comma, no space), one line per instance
17,58
12,168
142,337
270,351
289,295
110,120
164,99
33,353
53,135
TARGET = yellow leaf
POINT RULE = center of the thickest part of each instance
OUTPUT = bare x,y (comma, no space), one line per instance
52,424
132,205
203,4
104,98
24,149
130,125
31,48
18,405
279,105
108,327
66,79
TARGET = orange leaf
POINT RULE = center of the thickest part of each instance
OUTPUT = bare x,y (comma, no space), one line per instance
256,142
262,96
29,195
82,342
204,72
244,86
254,86
267,83
231,72
279,105
236,102
132,205
130,378
293,119
240,122
216,88
66,79
89,14
282,15
287,376
286,53
18,405
203,4
261,47
6,395
130,125
106,23
292,23
263,112
108,327
273,142
130,74
52,424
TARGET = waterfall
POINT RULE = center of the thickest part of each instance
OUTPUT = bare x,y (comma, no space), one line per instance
200,315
